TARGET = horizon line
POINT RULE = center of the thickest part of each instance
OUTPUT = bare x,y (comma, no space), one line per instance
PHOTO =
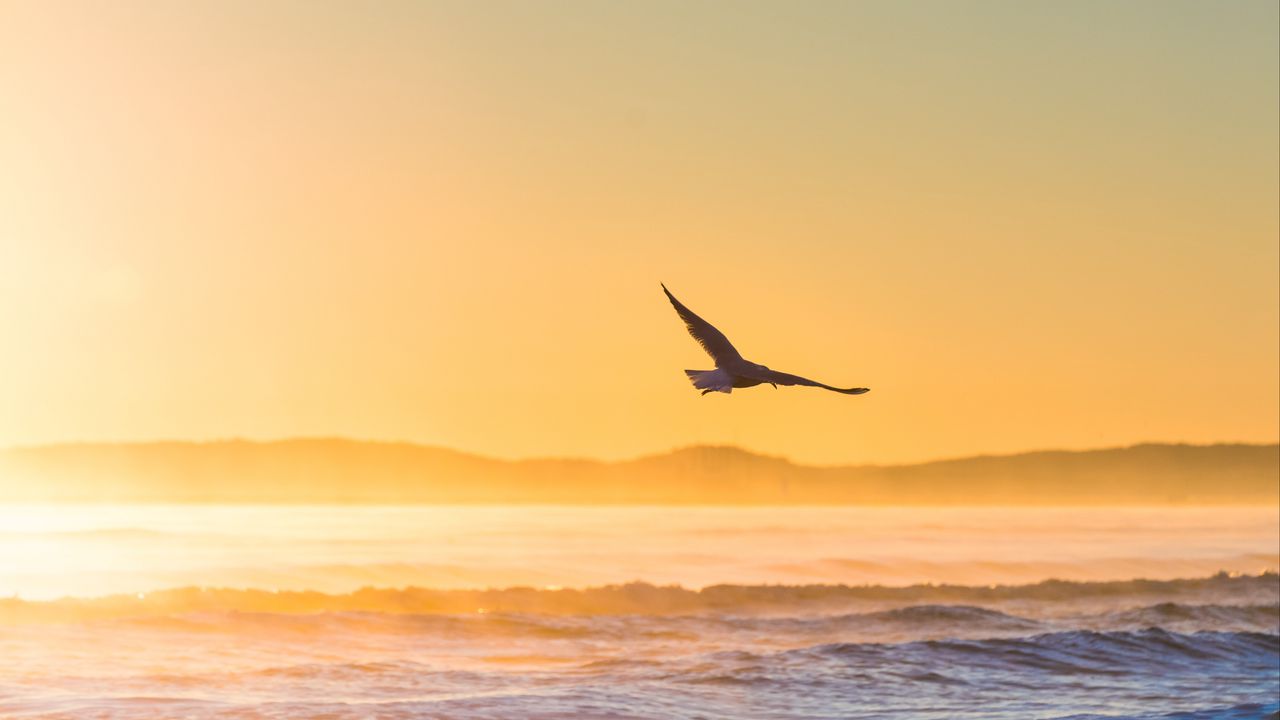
630,458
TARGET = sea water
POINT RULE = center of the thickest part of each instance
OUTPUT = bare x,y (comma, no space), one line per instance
637,612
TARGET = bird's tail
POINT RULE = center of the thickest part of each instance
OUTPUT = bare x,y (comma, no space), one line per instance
710,380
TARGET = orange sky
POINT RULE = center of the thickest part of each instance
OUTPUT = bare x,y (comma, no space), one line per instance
1022,225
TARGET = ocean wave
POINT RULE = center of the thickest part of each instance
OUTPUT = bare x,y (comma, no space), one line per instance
950,614
1167,597
566,634
922,621
1083,674
1061,655
1079,651
1185,617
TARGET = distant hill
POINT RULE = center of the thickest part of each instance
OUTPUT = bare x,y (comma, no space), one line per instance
348,471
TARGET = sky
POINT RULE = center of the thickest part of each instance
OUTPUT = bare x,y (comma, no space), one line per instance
1023,225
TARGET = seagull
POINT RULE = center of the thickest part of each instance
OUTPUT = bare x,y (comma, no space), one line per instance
732,370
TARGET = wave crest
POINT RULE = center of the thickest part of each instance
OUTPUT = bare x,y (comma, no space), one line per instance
1168,600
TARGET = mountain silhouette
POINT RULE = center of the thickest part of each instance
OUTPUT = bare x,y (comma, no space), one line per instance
321,470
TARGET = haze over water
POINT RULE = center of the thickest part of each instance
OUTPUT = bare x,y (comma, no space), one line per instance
89,550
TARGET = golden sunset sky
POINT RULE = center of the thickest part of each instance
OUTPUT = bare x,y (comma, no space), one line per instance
1023,225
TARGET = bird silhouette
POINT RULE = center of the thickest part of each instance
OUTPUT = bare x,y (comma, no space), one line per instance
732,370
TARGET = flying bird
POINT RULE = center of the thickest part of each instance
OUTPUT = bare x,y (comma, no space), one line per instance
732,370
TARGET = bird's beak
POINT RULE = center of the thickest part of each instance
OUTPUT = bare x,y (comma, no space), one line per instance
775,387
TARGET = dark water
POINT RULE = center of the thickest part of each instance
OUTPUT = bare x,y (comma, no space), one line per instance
1207,648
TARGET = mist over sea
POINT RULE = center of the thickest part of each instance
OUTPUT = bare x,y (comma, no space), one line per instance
165,611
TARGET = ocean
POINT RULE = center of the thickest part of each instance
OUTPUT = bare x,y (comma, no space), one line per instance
162,611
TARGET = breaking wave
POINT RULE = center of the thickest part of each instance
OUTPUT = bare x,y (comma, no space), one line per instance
1193,649
1218,597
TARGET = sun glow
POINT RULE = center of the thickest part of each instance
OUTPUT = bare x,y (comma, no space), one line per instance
424,225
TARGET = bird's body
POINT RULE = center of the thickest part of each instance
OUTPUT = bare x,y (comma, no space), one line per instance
733,370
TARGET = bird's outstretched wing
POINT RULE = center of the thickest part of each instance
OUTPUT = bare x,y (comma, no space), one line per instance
711,339
781,378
